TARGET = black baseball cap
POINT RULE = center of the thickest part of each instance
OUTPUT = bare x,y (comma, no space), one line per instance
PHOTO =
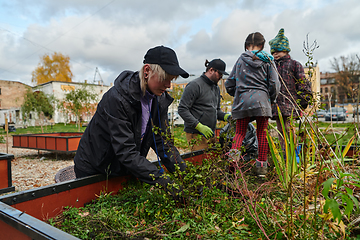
219,65
166,58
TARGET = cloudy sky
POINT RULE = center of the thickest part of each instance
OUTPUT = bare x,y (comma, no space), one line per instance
114,35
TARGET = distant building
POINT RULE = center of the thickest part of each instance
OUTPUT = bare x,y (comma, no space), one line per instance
11,98
328,86
336,95
181,82
315,78
315,83
60,89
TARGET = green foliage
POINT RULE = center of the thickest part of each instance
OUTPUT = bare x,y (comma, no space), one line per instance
220,198
141,211
37,102
285,159
176,93
78,101
59,127
319,188
341,195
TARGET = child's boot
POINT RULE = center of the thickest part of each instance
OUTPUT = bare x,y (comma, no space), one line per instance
261,168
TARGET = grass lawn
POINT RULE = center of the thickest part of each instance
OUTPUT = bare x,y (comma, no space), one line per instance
59,127
340,132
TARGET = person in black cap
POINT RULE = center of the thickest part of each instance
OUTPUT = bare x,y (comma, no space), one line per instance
199,106
119,136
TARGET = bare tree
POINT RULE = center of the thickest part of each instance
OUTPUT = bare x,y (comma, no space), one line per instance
348,73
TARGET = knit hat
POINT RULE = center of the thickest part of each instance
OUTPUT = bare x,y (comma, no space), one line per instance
280,43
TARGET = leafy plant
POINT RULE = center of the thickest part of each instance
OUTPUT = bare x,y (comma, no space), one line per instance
285,159
39,104
341,195
79,101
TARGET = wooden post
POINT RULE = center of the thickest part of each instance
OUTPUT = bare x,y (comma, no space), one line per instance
7,133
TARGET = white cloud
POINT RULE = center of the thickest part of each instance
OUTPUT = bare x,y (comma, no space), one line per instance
115,35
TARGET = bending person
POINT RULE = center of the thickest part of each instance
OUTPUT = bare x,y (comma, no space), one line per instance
119,136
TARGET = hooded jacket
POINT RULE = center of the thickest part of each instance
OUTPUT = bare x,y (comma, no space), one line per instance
200,102
254,85
111,144
297,87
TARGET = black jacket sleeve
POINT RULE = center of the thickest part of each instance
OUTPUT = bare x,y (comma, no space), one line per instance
123,142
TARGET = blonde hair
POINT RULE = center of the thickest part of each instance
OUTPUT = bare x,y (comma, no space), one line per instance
155,68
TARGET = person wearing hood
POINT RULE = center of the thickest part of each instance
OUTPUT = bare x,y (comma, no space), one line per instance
295,90
120,134
199,106
254,84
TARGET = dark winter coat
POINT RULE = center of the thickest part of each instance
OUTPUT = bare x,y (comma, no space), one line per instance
200,102
297,87
111,144
254,85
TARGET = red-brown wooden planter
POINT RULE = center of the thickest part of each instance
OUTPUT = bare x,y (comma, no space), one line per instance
5,173
59,142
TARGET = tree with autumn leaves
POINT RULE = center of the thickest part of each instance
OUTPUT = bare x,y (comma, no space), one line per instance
55,67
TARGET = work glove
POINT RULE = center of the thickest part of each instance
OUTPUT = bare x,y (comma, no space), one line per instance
204,130
227,117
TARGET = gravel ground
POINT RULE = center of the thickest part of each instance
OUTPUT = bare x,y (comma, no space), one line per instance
32,168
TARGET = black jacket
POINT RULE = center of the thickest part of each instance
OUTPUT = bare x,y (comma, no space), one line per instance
111,144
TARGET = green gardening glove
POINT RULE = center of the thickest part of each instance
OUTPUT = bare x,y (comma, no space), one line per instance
204,130
227,117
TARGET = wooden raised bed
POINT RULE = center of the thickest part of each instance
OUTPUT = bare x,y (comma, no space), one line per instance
5,173
58,142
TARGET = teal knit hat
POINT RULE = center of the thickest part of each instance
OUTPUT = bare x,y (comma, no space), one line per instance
280,43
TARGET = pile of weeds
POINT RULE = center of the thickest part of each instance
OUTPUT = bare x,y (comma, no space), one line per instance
212,207
220,200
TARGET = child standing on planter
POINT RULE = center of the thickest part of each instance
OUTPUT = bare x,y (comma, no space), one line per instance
295,88
254,84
